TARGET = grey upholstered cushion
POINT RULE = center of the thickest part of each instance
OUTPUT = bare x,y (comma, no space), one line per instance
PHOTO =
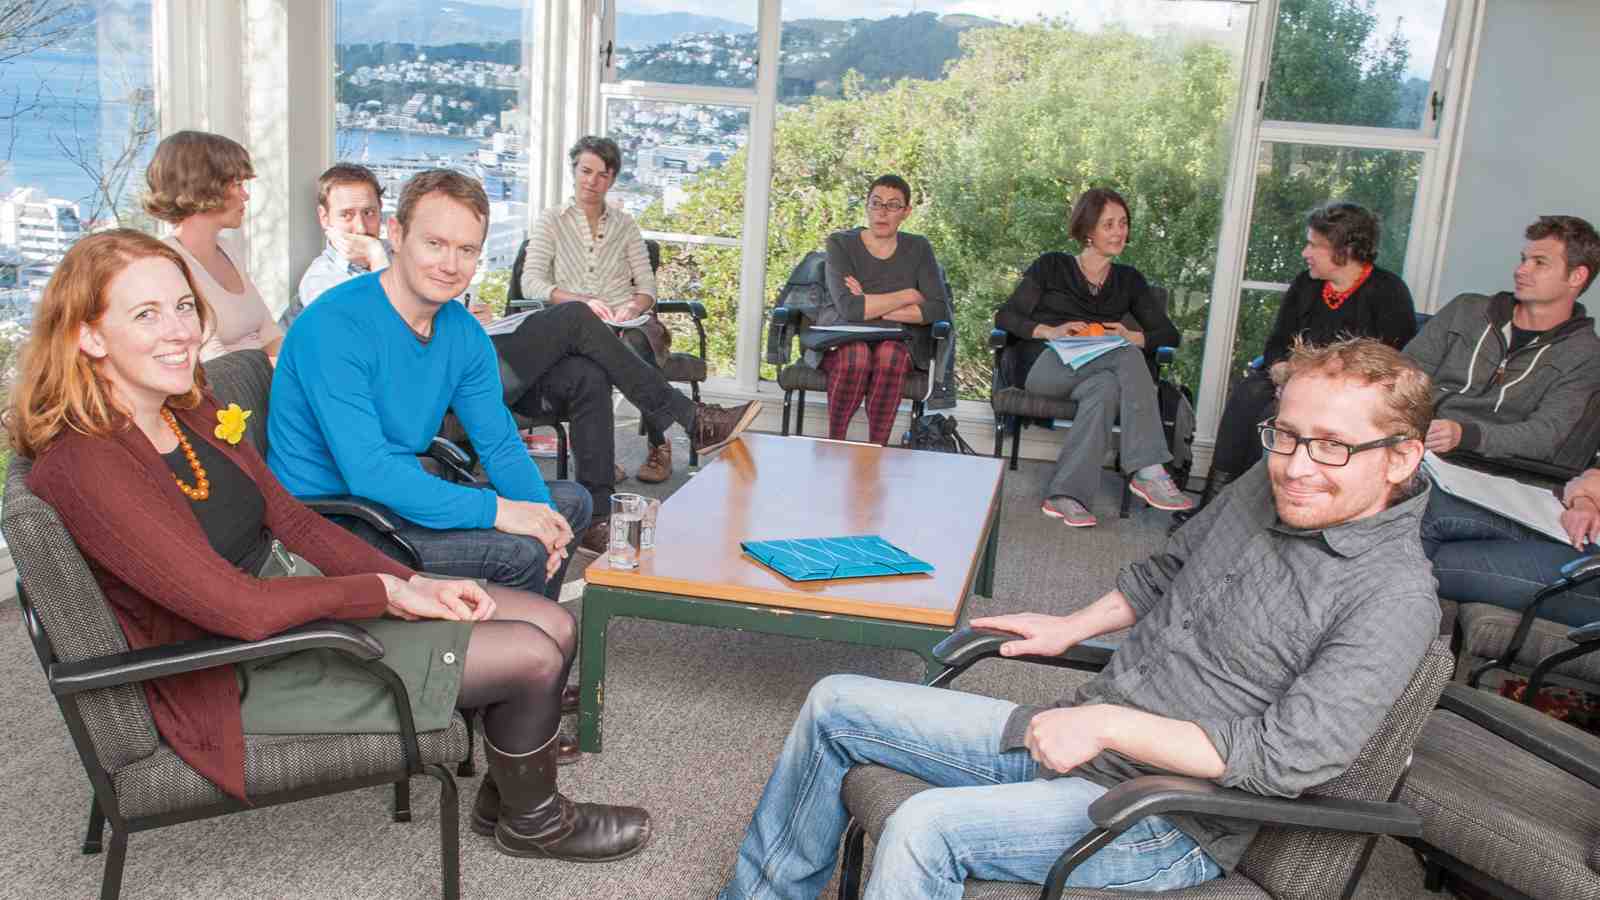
801,377
75,618
1283,863
1486,633
163,782
1504,811
244,377
683,367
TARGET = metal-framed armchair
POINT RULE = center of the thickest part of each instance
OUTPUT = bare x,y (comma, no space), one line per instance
1509,799
1015,407
681,368
1315,846
138,782
789,325
1494,638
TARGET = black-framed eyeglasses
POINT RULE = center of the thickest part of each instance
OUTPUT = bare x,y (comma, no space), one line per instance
1325,451
893,206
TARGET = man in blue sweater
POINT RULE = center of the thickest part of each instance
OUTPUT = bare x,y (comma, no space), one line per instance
368,373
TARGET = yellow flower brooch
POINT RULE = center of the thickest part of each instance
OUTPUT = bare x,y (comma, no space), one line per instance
230,423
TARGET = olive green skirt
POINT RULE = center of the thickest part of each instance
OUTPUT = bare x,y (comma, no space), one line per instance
325,692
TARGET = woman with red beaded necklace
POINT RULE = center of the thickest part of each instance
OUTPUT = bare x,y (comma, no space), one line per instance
1342,293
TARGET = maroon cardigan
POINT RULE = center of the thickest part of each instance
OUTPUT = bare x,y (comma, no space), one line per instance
165,583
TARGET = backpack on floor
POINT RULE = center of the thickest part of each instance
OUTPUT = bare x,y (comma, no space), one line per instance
936,432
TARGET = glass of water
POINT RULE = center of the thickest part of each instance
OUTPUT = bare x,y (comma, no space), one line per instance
627,526
650,508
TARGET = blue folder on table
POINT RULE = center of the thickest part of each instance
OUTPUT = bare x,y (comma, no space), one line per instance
819,559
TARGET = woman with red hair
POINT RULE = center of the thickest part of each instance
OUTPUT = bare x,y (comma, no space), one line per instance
193,536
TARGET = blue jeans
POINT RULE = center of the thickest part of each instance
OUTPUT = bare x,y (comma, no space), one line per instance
512,560
1481,557
988,817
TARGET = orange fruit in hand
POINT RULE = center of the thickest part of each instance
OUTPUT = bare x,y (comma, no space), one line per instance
1094,329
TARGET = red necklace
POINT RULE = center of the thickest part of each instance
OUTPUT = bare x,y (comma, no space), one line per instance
1336,298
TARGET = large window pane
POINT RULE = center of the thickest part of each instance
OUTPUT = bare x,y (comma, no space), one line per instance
999,123
703,44
1293,178
666,148
417,89
1354,62
77,126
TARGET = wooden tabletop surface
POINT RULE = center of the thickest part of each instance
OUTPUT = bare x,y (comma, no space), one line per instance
935,506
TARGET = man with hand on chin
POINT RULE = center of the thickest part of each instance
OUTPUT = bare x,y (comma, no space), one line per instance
366,378
1268,640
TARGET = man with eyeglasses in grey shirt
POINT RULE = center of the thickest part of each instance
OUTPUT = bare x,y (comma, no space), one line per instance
1268,640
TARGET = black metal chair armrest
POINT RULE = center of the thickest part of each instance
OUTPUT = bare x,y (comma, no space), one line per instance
1557,743
1154,795
381,518
967,646
693,307
1165,356
941,330
454,460
781,333
1257,364
1582,570
998,338
207,653
1585,634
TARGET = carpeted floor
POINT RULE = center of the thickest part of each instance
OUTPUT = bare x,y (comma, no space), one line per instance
694,718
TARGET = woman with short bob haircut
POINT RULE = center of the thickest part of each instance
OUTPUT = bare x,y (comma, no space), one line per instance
1063,296
1341,294
189,535
197,182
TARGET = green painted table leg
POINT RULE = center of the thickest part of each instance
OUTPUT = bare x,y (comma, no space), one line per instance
602,604
592,667
991,553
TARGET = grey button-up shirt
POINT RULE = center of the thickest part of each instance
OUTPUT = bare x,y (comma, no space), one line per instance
1286,647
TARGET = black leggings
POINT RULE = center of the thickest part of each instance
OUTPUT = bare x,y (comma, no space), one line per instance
517,664
1238,443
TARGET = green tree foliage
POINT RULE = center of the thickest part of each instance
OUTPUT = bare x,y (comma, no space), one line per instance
1026,119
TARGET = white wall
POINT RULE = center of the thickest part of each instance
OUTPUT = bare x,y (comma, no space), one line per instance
1532,135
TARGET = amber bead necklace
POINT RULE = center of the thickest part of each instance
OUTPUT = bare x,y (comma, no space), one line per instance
202,486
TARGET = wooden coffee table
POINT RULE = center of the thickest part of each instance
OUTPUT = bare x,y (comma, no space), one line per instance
940,507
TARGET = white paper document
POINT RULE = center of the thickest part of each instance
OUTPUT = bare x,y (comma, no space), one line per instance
1076,351
509,323
1538,508
856,329
631,323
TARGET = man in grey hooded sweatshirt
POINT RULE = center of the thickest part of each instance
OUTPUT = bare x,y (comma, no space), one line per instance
1512,373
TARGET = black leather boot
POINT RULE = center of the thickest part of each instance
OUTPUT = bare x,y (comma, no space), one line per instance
486,808
535,820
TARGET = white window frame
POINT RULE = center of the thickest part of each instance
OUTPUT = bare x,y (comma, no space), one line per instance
1434,138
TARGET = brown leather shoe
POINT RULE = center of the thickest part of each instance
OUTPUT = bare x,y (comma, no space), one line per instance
595,538
658,465
486,806
716,427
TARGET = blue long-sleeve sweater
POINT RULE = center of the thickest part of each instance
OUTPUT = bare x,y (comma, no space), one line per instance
357,395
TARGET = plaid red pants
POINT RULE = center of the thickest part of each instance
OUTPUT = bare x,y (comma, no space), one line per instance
875,372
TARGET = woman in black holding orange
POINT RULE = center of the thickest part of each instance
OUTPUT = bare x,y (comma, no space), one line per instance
1340,294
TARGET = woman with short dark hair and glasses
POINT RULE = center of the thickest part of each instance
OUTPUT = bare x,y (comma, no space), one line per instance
1062,295
1342,293
878,275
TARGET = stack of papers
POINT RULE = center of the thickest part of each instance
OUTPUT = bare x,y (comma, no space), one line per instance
1537,508
508,324
818,559
1077,351
858,329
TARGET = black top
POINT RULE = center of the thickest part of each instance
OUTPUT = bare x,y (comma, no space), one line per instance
1381,308
1053,291
234,516
1522,337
